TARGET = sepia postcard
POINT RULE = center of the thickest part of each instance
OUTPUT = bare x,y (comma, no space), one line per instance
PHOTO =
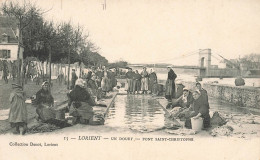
130,79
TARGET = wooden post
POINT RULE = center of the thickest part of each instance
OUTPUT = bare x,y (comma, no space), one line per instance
68,83
18,56
22,74
50,65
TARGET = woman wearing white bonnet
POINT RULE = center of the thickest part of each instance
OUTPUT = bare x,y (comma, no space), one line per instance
82,103
80,82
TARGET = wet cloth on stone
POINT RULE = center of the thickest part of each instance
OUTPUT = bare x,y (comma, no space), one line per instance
176,111
85,111
181,131
18,110
97,119
42,127
222,131
217,119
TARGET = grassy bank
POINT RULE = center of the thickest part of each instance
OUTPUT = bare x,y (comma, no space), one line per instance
58,92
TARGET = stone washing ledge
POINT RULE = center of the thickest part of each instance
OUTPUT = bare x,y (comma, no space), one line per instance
242,96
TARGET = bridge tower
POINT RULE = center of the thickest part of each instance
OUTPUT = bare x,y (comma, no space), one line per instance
205,62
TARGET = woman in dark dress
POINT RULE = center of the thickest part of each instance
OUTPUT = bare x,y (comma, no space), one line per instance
43,99
81,102
152,80
170,86
199,109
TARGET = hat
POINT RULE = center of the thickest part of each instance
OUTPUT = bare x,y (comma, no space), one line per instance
198,83
80,83
185,89
14,85
197,91
45,82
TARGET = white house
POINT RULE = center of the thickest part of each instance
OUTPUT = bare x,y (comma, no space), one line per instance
8,39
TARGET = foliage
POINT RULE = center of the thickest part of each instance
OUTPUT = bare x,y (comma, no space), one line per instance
118,64
40,36
251,61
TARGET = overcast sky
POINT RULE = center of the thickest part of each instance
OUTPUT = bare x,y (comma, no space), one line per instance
150,31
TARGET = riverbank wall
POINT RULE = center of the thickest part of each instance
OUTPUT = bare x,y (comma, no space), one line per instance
240,96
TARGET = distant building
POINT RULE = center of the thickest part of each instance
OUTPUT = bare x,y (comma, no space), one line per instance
8,39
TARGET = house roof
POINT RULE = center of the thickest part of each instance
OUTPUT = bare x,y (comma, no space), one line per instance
8,26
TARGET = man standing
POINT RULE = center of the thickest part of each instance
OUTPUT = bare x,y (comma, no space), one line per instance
129,77
136,82
74,77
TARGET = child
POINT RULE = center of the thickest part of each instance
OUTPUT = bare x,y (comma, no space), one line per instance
18,111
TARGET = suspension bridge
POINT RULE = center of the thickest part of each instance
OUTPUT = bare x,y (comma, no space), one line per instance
204,67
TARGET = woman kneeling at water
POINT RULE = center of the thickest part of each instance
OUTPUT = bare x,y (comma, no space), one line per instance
81,102
199,109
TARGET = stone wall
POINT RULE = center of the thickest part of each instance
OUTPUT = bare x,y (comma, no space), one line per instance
241,96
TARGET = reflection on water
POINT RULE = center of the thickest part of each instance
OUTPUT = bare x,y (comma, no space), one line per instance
136,112
142,113
223,107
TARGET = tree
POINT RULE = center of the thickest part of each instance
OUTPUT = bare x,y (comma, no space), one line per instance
24,14
60,43
118,64
251,61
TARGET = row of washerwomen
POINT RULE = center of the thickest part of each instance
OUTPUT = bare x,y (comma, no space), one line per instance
84,93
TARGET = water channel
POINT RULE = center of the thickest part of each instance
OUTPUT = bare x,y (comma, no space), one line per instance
143,113
136,112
